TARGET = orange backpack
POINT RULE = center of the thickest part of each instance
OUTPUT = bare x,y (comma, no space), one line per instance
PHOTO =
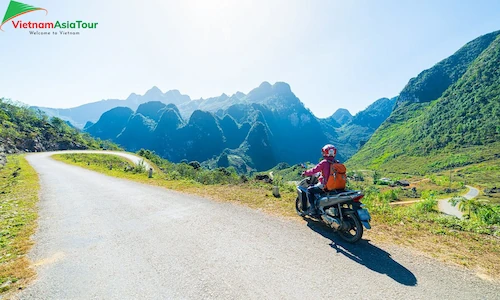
337,178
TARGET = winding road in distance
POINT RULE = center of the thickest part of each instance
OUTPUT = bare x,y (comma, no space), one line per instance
446,207
101,237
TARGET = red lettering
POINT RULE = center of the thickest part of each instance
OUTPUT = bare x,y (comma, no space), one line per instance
15,24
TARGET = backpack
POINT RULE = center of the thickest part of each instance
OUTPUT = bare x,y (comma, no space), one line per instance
337,178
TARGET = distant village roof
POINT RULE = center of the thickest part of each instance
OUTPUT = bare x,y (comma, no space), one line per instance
403,182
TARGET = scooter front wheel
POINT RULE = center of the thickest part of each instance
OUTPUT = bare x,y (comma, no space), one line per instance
298,207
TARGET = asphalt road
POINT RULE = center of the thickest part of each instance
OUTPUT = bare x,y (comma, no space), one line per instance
106,238
446,207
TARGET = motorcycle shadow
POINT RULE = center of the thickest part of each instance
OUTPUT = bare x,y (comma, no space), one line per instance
367,254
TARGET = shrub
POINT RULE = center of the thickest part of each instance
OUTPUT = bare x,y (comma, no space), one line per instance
282,166
196,165
426,206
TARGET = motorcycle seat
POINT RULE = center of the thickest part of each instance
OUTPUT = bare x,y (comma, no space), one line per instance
333,192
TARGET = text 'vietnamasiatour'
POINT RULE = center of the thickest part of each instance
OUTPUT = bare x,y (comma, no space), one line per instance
54,25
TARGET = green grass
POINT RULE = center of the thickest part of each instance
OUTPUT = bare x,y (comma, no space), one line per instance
24,128
18,200
467,242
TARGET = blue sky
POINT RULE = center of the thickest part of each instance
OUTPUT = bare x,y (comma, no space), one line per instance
333,53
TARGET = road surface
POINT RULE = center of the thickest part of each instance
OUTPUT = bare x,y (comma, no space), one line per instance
446,207
101,237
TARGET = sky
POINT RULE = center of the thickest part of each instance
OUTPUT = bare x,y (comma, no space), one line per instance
334,54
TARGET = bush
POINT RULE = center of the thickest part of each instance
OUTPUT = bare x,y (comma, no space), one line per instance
426,206
282,166
139,168
196,165
192,170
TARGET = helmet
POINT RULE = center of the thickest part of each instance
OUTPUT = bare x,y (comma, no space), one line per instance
329,151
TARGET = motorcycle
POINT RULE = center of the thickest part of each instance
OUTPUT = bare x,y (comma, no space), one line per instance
340,210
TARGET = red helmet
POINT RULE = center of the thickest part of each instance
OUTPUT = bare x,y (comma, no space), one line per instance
329,151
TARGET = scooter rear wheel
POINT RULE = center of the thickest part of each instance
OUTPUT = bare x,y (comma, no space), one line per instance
355,231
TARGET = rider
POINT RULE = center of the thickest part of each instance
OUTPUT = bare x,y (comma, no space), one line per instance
329,151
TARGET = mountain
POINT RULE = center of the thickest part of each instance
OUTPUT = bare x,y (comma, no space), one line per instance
342,116
166,134
203,137
152,110
213,104
430,84
26,130
349,133
448,116
294,132
233,132
259,148
375,114
111,123
267,126
137,133
91,112
80,115
84,113
355,133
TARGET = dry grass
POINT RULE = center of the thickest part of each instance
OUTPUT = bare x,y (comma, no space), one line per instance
477,252
474,251
18,199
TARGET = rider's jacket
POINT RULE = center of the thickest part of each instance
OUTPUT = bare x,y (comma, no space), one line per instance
323,167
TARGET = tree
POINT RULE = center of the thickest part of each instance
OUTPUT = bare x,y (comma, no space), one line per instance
376,177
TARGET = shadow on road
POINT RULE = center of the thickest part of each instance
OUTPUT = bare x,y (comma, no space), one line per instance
366,254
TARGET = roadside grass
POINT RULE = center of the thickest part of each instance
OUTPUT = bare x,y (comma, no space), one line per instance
484,175
18,214
418,226
437,184
466,242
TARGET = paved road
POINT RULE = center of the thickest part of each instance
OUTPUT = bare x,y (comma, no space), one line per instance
106,238
443,205
446,207
134,158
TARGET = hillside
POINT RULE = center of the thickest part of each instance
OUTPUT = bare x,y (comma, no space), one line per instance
358,130
448,116
25,130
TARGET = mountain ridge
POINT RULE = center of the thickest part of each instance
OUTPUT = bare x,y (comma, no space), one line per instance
270,121
460,127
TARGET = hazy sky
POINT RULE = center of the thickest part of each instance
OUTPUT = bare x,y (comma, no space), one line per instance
333,53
